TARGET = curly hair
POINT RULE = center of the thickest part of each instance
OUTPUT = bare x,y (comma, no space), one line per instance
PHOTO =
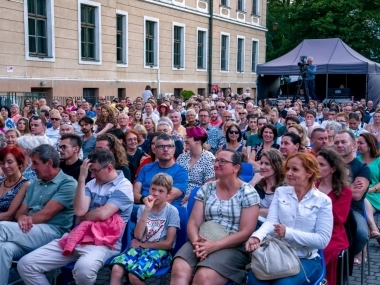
340,176
111,118
275,159
116,147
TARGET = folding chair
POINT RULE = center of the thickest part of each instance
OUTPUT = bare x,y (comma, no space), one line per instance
247,172
191,201
321,280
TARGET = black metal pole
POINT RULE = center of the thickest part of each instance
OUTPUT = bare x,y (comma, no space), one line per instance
210,44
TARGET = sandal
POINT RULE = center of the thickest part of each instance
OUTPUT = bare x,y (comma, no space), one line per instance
357,261
374,234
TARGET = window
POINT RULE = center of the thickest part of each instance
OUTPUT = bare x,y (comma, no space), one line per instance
177,92
178,46
240,5
225,3
90,32
255,7
121,38
255,46
240,55
39,23
201,91
201,49
151,43
224,52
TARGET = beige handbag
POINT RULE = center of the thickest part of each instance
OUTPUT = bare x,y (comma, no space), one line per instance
275,259
210,229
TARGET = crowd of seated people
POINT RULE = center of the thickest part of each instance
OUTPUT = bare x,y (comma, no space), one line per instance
124,161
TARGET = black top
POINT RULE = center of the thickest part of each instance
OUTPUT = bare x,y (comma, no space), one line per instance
126,171
134,162
359,169
72,170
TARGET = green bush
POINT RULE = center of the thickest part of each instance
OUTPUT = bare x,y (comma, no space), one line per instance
186,94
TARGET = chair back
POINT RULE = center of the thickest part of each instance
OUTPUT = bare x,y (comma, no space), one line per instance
351,228
126,240
247,172
191,201
181,238
323,263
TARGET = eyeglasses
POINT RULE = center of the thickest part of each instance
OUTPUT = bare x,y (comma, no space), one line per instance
190,115
102,99
340,121
233,132
96,171
241,113
221,161
55,119
221,107
163,146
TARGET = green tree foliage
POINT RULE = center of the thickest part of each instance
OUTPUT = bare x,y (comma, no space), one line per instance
356,22
186,94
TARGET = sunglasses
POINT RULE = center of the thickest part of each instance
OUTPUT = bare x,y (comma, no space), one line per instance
233,132
55,119
241,113
221,107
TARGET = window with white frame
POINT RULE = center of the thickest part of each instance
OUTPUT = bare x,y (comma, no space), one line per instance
254,55
255,7
224,52
178,46
121,37
240,5
90,51
225,3
151,42
201,49
240,54
39,23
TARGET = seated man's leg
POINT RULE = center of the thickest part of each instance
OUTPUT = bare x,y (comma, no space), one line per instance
92,258
10,233
8,252
48,257
361,232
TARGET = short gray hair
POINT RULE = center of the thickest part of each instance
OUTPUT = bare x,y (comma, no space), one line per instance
46,152
335,125
165,121
31,142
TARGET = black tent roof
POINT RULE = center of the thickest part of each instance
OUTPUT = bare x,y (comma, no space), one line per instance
332,56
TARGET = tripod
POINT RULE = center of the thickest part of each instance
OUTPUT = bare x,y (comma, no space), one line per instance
302,81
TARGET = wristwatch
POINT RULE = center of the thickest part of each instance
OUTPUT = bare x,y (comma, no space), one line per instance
142,199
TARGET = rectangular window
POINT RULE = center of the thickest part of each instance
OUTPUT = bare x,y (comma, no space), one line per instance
201,50
88,32
255,7
121,38
178,46
201,91
89,29
254,56
240,55
37,27
150,37
240,5
224,52
225,3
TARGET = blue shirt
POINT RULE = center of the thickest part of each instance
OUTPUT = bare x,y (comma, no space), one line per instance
213,139
176,171
88,145
90,114
311,70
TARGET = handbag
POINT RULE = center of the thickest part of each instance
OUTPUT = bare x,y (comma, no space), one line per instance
275,259
210,229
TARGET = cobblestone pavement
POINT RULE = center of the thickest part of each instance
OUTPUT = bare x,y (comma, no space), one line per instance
373,278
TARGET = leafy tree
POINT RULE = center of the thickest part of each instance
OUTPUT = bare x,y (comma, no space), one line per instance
356,22
186,94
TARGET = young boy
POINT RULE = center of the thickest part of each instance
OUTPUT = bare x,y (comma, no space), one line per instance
155,232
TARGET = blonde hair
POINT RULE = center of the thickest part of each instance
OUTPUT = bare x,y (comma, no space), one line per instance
162,179
55,112
304,139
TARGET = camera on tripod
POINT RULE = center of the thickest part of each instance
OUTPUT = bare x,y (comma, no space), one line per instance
302,64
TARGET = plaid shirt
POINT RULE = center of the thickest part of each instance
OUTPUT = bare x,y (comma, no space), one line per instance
227,212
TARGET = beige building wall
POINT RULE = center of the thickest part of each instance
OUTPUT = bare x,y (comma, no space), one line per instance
64,75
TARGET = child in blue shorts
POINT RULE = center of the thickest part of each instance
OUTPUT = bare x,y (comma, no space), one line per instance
155,233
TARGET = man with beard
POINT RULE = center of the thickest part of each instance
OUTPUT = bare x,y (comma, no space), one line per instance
69,147
89,140
214,118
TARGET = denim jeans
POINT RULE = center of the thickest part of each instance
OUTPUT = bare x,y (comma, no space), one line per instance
313,269
15,244
311,87
361,232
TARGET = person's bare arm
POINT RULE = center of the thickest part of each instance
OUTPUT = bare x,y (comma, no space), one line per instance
174,194
102,213
15,204
81,201
358,187
106,128
137,192
195,221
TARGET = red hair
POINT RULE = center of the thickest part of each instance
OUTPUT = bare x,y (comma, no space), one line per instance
15,151
309,162
136,133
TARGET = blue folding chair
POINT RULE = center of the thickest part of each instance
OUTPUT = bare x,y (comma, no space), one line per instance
247,172
321,280
181,239
67,276
191,201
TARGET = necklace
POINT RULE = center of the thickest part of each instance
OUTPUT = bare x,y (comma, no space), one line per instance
5,185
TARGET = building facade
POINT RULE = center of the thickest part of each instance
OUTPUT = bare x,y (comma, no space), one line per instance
117,47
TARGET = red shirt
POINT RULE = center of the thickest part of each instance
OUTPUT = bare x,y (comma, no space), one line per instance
215,123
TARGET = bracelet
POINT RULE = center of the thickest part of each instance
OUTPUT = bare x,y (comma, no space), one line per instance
142,199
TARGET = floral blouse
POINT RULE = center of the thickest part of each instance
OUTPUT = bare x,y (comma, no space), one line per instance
7,198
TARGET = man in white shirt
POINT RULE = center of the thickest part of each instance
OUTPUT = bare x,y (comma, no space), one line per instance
53,132
122,120
37,126
77,128
149,113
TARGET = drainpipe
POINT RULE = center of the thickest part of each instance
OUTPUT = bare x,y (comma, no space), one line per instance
210,43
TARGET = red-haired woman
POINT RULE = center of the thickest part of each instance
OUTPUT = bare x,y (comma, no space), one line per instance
13,185
134,153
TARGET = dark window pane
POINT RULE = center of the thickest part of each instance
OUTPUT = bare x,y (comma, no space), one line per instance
31,6
91,35
83,49
83,34
42,45
119,54
41,28
119,41
32,44
83,14
41,7
91,15
32,27
119,23
91,50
